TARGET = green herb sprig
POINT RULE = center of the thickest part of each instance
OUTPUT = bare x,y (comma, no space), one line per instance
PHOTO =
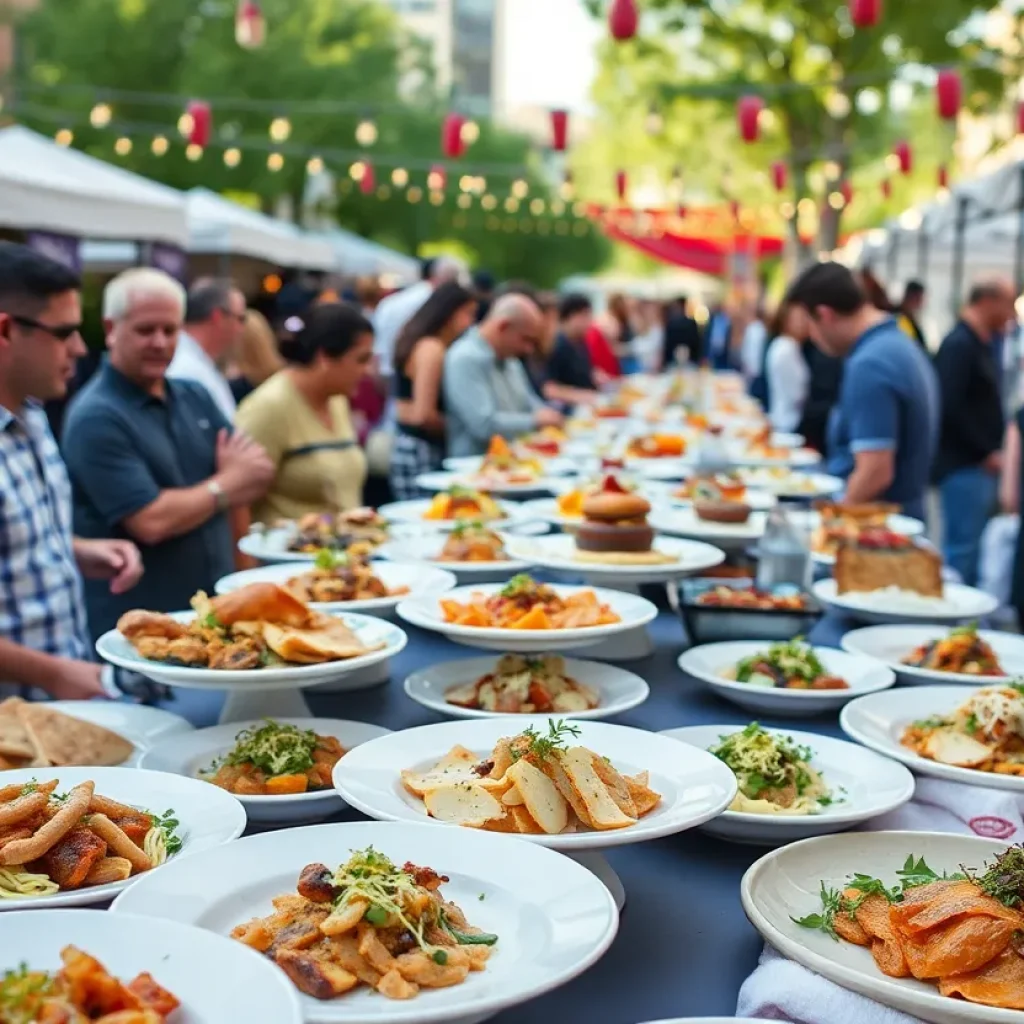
541,746
169,825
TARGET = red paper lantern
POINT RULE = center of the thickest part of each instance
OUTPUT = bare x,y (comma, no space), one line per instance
451,136
623,19
779,174
559,130
865,13
1020,118
250,25
943,176
368,181
905,156
846,191
748,113
949,93
621,184
886,189
202,122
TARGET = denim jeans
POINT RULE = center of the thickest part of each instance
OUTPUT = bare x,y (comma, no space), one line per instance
968,500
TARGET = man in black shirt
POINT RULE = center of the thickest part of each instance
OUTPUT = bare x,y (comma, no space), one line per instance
681,333
969,455
910,310
570,377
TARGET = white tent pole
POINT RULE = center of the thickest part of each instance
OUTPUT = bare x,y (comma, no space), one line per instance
959,238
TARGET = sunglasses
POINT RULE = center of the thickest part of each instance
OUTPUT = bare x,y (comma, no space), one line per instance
62,332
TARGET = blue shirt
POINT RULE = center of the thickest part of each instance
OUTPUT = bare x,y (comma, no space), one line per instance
889,402
123,447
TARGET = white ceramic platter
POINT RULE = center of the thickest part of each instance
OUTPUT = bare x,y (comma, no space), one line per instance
957,604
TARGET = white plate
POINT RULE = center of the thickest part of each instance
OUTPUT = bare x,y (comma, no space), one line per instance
619,690
810,520
467,465
660,469
271,545
759,501
412,512
879,720
684,522
790,484
418,579
116,649
425,612
553,917
191,964
958,604
739,455
873,785
441,481
209,817
710,662
140,725
547,511
890,644
425,550
694,786
189,755
786,883
558,552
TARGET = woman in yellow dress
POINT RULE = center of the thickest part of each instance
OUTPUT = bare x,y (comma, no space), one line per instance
301,415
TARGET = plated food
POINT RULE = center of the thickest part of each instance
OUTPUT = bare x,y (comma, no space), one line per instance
463,503
962,651
615,531
570,503
473,542
258,626
840,523
784,482
338,577
879,558
791,665
712,487
656,446
39,735
338,531
524,685
546,442
502,467
724,596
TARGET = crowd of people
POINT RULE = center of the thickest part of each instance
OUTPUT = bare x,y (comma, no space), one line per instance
202,418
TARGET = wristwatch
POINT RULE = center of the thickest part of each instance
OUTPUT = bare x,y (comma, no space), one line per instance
218,495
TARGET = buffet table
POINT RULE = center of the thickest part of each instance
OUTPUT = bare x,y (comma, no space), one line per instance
684,946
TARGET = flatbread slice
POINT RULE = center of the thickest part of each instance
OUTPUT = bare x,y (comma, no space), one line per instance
332,641
14,740
64,740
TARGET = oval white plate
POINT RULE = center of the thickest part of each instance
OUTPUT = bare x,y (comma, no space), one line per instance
441,481
684,522
425,612
271,545
188,962
558,552
786,883
419,579
739,455
552,916
412,512
879,719
425,550
694,786
660,469
890,644
792,485
810,520
958,604
759,501
619,690
874,785
710,662
140,725
189,755
209,817
467,465
113,647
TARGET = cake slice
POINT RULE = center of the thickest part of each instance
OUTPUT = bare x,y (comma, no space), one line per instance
879,558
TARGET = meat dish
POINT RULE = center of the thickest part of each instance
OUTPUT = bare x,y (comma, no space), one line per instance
521,684
337,577
463,503
339,531
656,446
501,467
962,652
751,598
473,542
791,665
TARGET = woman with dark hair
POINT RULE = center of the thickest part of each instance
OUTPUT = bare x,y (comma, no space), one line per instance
785,374
420,349
301,415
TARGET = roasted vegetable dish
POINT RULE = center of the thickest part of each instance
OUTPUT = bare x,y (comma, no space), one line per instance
522,684
963,652
792,665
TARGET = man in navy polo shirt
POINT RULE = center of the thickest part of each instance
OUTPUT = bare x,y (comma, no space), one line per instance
153,459
884,430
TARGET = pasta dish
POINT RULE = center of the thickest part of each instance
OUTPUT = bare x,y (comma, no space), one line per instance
258,626
82,991
775,775
337,577
473,542
960,931
523,603
339,531
521,684
533,784
463,503
792,665
963,652
369,923
53,842
985,733
275,759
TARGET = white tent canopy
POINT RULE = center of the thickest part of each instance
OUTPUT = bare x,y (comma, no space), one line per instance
46,187
355,255
217,226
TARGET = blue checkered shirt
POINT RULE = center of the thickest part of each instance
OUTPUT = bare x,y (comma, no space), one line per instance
41,602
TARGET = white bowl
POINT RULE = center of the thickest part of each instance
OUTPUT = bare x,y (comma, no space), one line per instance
189,755
208,817
619,690
879,720
958,604
873,786
425,612
188,962
890,644
425,549
684,522
786,883
710,663
412,512
694,786
553,917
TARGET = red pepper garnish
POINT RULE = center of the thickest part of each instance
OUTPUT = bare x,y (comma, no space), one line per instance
611,485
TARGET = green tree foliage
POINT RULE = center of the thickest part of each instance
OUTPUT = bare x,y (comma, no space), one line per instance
327,64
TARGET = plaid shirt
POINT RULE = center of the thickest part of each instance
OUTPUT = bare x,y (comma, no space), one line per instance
41,602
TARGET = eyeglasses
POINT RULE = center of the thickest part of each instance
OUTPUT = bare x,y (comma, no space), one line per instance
62,332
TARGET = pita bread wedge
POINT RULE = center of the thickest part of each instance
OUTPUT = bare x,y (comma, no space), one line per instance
63,740
333,641
14,740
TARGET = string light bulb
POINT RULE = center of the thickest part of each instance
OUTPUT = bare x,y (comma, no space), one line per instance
280,129
232,157
489,202
366,133
467,182
399,177
275,162
436,180
537,206
123,146
436,198
383,192
193,151
469,132
565,190
520,188
557,208
511,205
415,194
357,171
465,201
186,123
64,137
159,145
315,165
100,115
836,200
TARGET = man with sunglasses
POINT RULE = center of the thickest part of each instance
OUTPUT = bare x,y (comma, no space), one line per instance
214,318
44,639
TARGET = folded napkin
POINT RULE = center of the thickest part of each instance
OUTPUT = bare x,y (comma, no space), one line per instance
780,989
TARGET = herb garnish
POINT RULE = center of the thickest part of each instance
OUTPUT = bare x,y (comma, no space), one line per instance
22,993
1004,880
793,659
542,746
328,558
169,825
521,583
273,748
